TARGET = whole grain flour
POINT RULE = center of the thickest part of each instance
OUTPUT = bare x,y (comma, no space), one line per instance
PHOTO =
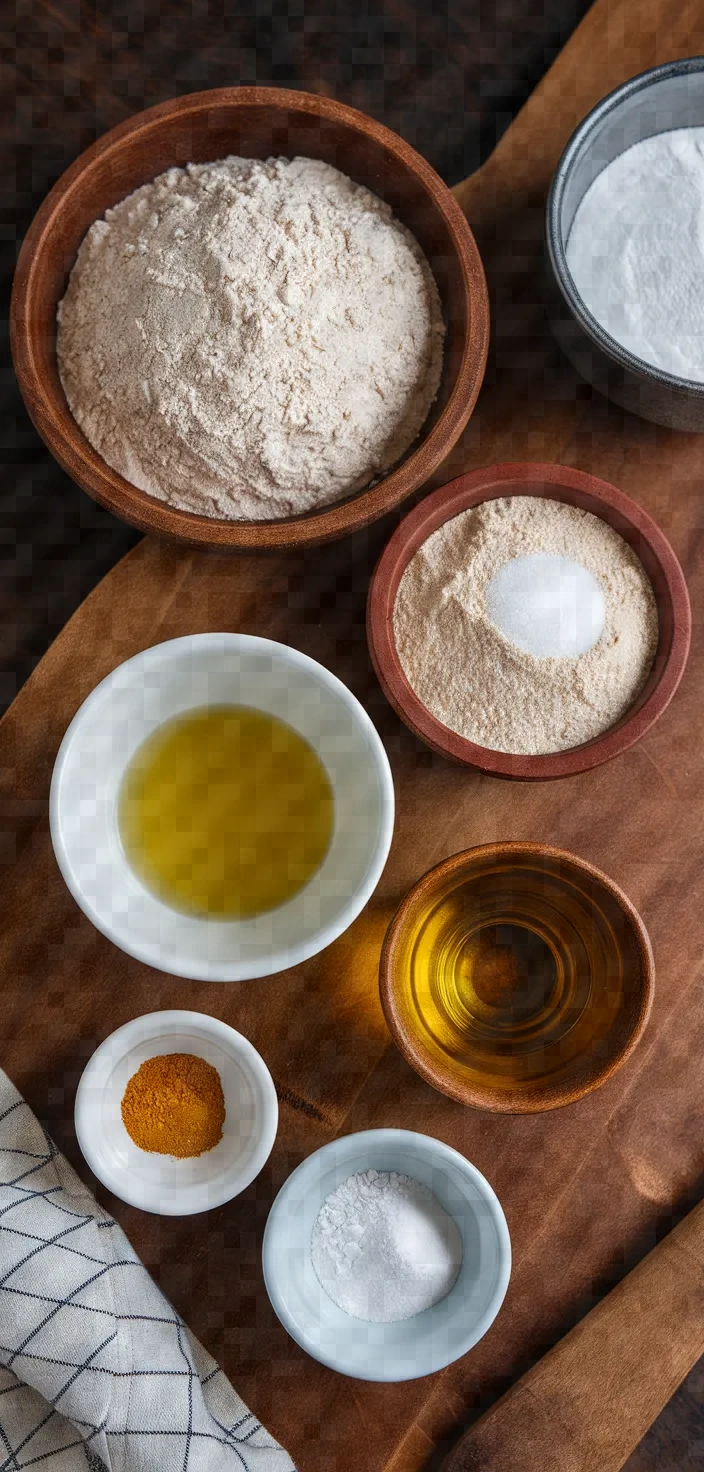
249,339
480,684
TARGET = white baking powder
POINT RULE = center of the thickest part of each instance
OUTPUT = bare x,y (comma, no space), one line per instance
383,1248
636,251
250,339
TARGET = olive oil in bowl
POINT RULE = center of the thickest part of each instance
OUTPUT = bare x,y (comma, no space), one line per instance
516,977
225,812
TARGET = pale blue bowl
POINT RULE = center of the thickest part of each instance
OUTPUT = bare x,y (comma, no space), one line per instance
412,1347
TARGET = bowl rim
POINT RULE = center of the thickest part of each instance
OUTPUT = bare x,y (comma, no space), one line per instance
52,418
142,1029
427,1145
527,478
556,246
275,961
547,1096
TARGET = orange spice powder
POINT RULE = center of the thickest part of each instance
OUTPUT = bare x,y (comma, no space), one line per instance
174,1105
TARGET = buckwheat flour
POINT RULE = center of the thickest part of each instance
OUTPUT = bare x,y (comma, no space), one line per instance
250,339
483,686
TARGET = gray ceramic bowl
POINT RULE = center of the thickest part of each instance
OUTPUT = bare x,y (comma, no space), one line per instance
666,97
407,1348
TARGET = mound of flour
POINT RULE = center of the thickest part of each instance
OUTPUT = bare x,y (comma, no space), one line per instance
475,679
250,339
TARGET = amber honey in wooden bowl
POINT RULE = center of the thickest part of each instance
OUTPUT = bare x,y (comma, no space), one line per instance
575,488
516,977
252,122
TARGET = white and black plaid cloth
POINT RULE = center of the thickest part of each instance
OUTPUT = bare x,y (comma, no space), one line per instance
97,1371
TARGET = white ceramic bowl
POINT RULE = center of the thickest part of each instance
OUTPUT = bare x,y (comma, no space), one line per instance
411,1347
165,681
161,1183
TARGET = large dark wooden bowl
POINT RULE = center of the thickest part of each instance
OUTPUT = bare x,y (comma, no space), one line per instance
557,483
253,122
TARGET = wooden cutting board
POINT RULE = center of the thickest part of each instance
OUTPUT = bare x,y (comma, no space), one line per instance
586,1189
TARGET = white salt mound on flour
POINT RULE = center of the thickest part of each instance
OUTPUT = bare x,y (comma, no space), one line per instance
249,339
479,683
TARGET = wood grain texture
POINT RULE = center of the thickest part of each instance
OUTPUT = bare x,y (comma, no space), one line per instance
586,1191
573,487
588,1402
254,122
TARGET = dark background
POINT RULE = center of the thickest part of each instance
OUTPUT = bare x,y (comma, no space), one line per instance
448,75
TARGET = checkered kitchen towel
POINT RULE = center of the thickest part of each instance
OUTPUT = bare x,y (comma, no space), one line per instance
97,1371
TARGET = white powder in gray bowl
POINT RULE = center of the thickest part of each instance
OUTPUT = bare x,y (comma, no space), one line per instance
482,685
249,339
636,251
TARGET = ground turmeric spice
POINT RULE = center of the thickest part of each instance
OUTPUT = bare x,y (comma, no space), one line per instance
174,1105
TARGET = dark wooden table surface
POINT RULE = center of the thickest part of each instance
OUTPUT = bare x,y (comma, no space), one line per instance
448,76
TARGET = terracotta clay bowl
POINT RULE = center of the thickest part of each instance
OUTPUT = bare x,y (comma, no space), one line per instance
253,122
553,482
515,977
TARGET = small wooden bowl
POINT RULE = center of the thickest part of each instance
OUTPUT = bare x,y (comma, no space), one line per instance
557,483
547,983
254,122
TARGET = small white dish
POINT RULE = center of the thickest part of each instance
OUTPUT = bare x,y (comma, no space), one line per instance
412,1347
165,681
161,1183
